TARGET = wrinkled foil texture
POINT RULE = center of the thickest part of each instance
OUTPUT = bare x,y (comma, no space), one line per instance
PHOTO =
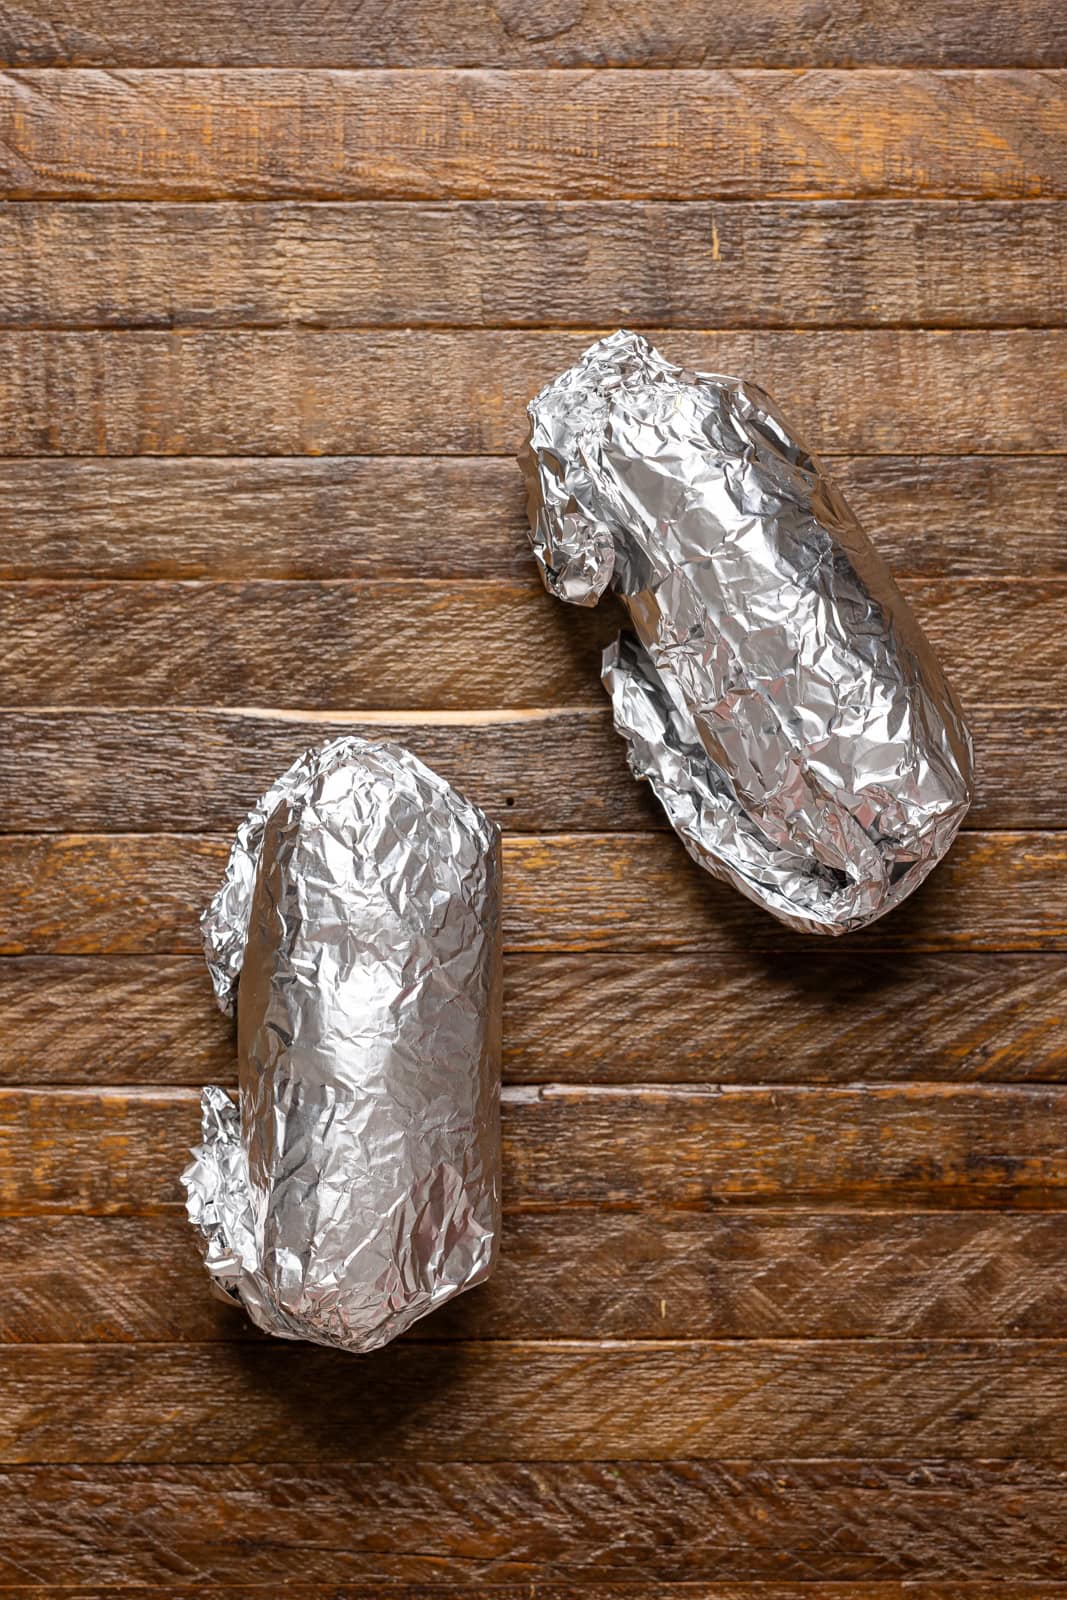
776,691
357,930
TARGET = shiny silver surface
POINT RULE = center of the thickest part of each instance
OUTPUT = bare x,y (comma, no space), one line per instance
776,691
358,926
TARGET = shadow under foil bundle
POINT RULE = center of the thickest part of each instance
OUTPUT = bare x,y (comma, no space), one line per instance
776,692
358,930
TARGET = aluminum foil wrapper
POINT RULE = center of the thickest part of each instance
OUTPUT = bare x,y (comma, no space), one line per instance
776,690
358,930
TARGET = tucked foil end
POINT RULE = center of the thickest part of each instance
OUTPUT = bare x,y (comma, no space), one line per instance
575,557
217,1198
574,543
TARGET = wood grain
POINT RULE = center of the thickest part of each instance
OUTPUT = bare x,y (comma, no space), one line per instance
566,1522
128,771
650,1274
804,1017
875,391
119,1152
304,517
742,134
141,894
338,645
407,645
534,264
538,33
595,1590
178,770
524,1402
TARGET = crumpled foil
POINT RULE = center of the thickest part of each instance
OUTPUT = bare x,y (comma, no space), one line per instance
358,928
776,692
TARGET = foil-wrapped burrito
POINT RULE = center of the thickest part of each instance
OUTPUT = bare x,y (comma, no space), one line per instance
358,928
776,691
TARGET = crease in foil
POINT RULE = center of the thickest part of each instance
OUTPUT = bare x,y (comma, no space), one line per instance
776,691
357,934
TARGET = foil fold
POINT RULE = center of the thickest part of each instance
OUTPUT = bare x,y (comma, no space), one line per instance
776,691
356,932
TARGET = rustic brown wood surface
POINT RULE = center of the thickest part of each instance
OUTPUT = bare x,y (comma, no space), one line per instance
888,1146
559,1400
594,1589
294,391
782,1306
181,769
737,265
648,1273
515,1525
538,33
548,134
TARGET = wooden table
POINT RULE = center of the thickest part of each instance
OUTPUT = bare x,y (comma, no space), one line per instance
782,1310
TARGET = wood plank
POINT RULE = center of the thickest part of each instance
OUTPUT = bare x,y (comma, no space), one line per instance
994,891
402,516
197,771
400,645
595,1590
539,33
306,517
874,391
527,263
141,894
864,1523
564,771
651,1274
805,1017
742,134
425,645
523,1402
119,1152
